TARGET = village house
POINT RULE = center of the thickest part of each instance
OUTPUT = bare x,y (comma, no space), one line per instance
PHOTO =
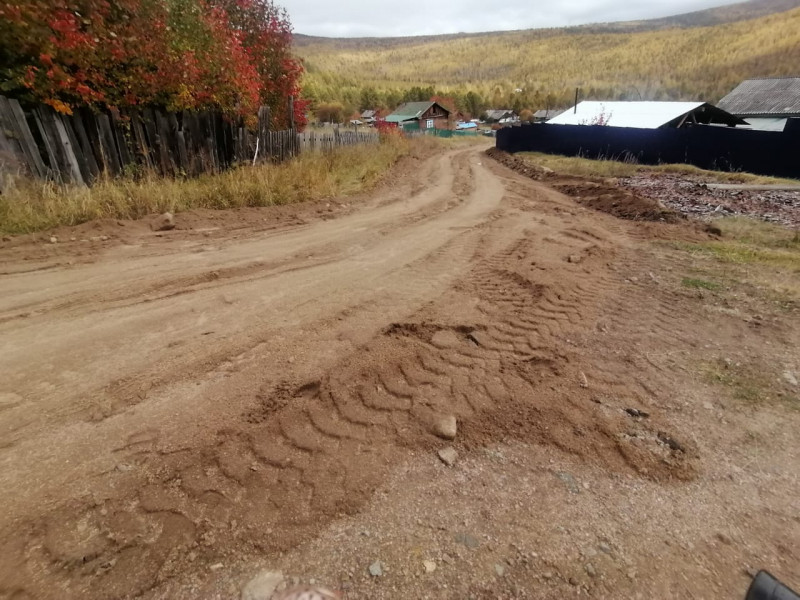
646,115
543,115
427,115
501,115
766,104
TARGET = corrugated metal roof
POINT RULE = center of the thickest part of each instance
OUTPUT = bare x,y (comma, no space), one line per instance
497,114
641,115
779,97
767,123
408,111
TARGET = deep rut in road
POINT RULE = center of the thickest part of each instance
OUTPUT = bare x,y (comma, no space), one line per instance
502,348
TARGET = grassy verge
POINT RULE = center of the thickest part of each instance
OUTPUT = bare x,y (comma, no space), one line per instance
33,206
585,167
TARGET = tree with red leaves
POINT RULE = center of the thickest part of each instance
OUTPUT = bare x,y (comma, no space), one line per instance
230,55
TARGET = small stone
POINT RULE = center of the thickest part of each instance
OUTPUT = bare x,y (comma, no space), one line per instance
724,539
163,223
103,238
632,574
448,456
500,570
790,378
590,570
708,406
467,540
547,575
376,569
604,548
446,338
573,258
53,239
448,559
569,481
73,239
573,581
429,565
445,427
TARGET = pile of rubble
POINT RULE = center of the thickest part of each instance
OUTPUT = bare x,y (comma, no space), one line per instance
695,198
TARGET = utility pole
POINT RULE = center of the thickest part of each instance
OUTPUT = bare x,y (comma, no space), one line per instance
576,100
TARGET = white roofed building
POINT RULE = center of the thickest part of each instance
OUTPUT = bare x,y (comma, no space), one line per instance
645,115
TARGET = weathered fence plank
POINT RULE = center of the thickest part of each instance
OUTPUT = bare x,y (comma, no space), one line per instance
79,148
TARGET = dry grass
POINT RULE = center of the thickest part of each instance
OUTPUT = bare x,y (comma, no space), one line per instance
585,167
32,206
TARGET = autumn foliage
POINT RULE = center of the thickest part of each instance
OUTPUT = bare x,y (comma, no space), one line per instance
229,55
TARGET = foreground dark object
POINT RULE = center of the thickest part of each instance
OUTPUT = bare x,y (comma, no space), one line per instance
766,587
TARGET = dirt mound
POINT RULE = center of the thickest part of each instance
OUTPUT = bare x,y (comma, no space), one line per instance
592,193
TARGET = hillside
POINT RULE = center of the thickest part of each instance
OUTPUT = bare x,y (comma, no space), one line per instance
659,59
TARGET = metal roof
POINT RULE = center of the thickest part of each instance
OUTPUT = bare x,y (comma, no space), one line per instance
641,115
497,114
754,97
547,113
409,111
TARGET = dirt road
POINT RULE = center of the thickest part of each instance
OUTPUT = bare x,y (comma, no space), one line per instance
180,410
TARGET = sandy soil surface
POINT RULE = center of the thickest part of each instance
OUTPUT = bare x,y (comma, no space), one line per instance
270,389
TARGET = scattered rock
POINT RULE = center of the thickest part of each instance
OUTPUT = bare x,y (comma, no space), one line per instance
573,581
569,481
164,222
584,381
573,258
445,427
376,569
635,412
500,570
708,406
604,548
73,239
669,441
53,239
724,539
479,338
547,575
104,238
590,570
632,574
448,559
467,540
448,456
429,565
790,378
262,586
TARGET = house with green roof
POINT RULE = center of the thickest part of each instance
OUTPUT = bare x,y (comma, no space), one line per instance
425,115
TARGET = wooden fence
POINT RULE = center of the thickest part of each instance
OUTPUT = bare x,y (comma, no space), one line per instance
312,140
80,147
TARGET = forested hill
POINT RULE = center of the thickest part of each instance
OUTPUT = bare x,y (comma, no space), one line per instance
699,56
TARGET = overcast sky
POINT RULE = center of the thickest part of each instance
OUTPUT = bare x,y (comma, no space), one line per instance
355,18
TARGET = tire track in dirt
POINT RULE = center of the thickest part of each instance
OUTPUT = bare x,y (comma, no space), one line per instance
500,347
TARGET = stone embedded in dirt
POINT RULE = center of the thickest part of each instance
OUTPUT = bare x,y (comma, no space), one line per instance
445,427
446,338
376,569
448,456
590,570
262,586
470,541
53,239
429,565
573,258
569,481
164,222
499,569
635,412
790,378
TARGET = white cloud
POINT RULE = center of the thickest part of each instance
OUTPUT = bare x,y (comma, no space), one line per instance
356,18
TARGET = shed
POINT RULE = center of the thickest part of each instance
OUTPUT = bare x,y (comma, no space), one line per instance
429,115
500,115
766,104
646,115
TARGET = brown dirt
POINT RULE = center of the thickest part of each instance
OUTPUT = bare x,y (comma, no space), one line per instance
181,411
595,193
